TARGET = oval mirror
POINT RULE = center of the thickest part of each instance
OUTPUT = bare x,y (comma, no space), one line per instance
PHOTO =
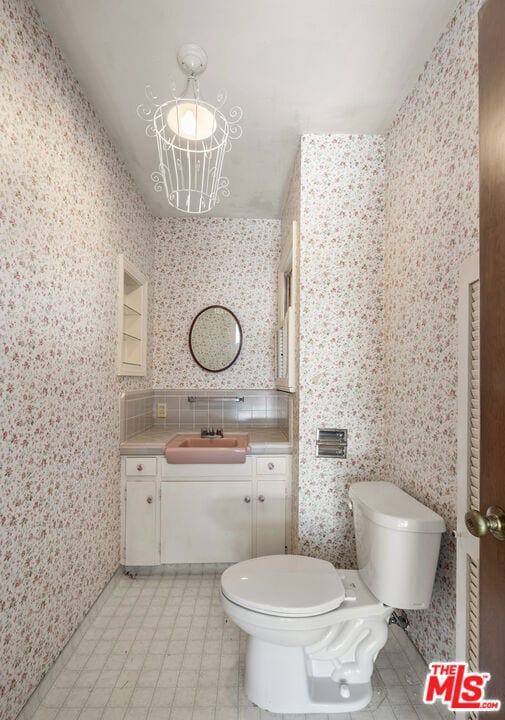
215,338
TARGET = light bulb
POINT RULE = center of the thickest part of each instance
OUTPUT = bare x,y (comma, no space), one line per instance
188,123
191,121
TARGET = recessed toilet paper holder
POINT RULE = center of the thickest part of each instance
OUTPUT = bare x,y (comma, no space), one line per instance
331,443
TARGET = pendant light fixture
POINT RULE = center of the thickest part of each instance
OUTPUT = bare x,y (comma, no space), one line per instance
192,138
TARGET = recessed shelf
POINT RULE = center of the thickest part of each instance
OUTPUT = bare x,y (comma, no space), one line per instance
130,311
132,319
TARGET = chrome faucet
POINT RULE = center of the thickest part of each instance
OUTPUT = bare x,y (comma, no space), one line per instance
210,432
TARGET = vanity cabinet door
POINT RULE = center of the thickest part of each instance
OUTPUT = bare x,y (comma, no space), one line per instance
141,528
206,521
270,502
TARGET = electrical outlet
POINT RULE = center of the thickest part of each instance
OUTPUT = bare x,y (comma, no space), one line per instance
162,410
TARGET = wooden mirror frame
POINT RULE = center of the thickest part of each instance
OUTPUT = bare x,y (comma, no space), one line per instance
221,307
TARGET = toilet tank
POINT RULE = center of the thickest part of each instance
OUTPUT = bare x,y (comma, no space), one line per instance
397,543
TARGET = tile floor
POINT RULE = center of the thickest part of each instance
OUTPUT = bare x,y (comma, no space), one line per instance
160,648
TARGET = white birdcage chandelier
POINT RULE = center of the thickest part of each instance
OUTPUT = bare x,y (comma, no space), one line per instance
192,138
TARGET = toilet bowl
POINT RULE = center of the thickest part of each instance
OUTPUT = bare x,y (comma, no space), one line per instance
313,660
314,631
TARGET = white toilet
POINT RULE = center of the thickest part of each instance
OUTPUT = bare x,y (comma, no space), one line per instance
315,631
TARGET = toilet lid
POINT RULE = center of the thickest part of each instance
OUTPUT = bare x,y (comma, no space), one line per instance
290,585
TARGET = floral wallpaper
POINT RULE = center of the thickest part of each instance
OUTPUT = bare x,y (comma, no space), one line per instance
341,340
431,227
377,324
378,303
68,208
215,261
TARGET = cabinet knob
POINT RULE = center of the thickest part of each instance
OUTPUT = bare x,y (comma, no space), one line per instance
261,498
149,499
140,467
247,499
271,466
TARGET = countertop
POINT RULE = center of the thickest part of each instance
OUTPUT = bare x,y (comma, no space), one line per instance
262,441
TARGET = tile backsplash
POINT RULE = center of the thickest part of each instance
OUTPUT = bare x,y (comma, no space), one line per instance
260,408
136,413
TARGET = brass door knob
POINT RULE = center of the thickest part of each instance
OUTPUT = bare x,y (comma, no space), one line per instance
494,522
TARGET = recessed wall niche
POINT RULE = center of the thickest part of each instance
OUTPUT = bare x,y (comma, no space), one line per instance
132,319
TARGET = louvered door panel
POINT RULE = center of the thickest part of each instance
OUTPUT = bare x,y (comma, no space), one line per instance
474,400
467,600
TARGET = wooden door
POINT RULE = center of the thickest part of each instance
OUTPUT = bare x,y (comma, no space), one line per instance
492,279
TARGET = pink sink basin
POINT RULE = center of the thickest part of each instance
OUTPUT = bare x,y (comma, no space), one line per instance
189,449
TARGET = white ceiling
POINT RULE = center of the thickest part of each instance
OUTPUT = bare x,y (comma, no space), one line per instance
295,66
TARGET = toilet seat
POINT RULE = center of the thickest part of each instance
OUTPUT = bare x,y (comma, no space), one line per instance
284,586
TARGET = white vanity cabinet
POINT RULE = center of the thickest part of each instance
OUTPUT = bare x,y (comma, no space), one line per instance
271,494
206,521
204,513
140,512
